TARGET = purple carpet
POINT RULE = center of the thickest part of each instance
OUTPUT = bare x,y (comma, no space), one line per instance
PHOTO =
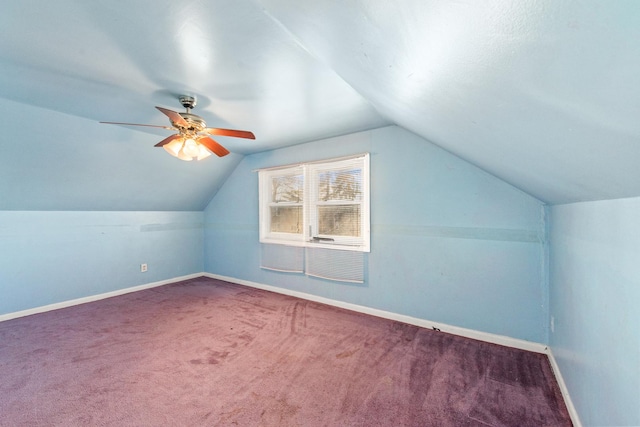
209,353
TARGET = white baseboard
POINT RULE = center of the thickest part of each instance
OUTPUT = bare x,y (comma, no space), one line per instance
91,298
564,390
469,333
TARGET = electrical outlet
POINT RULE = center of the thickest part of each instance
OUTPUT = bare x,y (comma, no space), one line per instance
553,324
143,268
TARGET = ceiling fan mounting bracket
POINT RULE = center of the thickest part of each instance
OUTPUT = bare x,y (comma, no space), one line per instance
188,102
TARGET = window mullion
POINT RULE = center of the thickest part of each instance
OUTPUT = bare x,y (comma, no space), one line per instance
309,201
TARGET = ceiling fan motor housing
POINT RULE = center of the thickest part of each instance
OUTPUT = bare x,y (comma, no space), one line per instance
196,123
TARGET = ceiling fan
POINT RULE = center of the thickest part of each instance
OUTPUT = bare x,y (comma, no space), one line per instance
192,140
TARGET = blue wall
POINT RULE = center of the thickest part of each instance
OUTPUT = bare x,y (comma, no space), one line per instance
595,302
450,243
50,257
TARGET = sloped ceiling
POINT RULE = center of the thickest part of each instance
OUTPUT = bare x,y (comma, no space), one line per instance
543,94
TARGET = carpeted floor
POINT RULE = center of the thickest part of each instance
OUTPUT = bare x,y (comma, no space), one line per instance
209,353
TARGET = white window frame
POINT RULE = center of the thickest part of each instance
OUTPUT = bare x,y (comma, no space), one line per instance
309,236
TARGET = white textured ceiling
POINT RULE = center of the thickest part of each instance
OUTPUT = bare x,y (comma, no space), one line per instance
543,94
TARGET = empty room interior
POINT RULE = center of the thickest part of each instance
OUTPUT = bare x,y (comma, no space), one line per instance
275,212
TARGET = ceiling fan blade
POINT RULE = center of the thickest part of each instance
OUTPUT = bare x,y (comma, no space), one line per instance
213,146
230,132
174,117
167,140
137,124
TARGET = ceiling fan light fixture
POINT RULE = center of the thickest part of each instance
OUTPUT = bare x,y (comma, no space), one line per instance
173,147
187,149
190,147
183,156
203,152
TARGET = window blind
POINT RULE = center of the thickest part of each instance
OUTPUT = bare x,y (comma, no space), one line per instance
332,264
289,259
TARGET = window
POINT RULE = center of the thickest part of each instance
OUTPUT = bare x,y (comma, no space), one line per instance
283,195
320,204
